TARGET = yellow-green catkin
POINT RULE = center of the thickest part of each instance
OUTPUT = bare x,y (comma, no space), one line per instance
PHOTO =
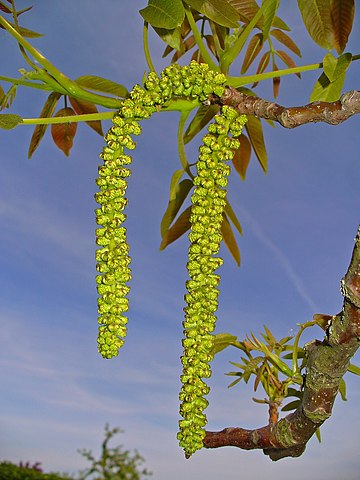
113,260
208,200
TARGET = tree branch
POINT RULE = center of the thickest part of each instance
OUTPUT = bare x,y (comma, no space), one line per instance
329,112
327,362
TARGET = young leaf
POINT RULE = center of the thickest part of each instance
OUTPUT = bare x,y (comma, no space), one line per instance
291,406
222,341
287,60
63,133
255,133
242,156
100,84
330,91
220,11
229,239
276,82
318,434
177,198
316,15
166,14
185,46
232,216
83,107
181,226
354,369
171,37
342,17
39,130
9,121
25,32
202,117
342,390
253,49
286,40
269,16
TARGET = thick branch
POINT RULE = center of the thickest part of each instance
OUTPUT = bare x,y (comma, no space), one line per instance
328,112
327,362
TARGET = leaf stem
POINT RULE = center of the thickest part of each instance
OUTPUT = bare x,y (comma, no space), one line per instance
69,119
230,54
181,146
71,87
146,47
203,50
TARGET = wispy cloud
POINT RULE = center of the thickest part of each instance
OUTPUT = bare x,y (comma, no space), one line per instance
283,261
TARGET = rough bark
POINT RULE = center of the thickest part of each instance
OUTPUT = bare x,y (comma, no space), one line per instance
328,112
327,362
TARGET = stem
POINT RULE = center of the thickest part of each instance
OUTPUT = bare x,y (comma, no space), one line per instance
295,365
236,48
71,87
203,50
69,119
146,47
181,147
240,81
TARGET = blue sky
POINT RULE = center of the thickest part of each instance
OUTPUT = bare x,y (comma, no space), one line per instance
299,223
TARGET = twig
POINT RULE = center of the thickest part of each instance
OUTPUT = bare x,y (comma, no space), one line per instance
326,364
328,112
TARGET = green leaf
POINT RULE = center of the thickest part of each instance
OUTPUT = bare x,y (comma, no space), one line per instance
336,67
318,434
291,406
9,120
342,17
100,84
220,11
181,226
269,16
177,197
354,369
171,37
230,240
317,19
166,14
25,32
342,389
202,117
325,89
39,130
254,130
222,341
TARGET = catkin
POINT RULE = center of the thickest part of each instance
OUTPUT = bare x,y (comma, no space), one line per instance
208,203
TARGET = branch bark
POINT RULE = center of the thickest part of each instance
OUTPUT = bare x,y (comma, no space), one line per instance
328,112
327,362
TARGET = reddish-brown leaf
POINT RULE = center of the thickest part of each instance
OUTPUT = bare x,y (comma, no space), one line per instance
63,133
342,17
254,130
264,62
242,156
286,40
287,60
181,226
4,8
185,47
82,107
276,82
253,49
211,45
39,130
229,239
